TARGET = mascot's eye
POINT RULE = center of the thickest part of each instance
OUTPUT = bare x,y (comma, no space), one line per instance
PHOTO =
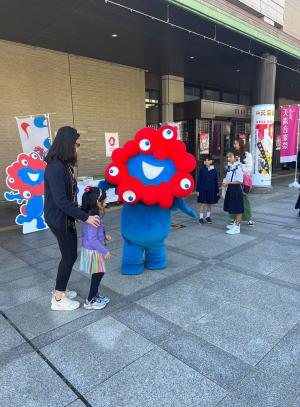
34,156
11,180
129,196
168,134
24,162
26,194
145,145
113,171
185,183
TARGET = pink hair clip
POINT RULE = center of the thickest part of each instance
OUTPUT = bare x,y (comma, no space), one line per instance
88,188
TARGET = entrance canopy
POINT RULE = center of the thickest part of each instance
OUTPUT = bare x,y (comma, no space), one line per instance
156,38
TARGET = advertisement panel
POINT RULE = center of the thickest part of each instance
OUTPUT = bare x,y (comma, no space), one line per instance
262,131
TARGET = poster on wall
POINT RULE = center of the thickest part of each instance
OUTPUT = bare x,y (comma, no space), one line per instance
289,117
25,179
111,143
204,143
35,134
262,129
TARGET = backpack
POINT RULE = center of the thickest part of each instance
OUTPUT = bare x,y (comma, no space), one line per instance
247,182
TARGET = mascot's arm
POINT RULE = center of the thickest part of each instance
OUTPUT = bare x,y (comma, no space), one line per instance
11,196
180,204
105,185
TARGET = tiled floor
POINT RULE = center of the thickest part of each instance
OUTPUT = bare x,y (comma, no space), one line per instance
219,327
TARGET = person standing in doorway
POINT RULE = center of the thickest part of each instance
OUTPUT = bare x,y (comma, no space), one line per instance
246,162
207,189
61,211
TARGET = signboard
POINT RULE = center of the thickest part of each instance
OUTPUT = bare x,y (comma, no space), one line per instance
262,130
35,134
289,116
204,143
111,143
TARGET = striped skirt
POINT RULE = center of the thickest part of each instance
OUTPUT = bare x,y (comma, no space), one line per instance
91,261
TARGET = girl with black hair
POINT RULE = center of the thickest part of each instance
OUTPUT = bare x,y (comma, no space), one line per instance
61,211
207,189
94,251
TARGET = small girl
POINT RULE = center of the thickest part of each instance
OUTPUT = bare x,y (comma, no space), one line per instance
233,202
94,251
207,189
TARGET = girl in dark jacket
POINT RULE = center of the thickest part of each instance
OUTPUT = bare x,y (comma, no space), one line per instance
207,189
61,211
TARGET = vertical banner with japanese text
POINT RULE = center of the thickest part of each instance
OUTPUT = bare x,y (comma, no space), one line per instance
289,117
262,129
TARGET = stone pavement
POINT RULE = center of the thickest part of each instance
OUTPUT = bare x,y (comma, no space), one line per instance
220,327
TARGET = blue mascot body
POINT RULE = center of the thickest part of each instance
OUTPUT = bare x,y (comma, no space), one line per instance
152,174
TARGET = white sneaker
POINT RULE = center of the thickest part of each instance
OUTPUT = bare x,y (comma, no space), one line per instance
65,304
230,226
235,230
69,293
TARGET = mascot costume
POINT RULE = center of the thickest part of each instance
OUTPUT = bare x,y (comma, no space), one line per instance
152,176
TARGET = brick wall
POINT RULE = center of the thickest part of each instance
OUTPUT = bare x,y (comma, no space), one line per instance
106,97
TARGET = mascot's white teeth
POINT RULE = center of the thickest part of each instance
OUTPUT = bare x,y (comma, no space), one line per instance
33,177
151,171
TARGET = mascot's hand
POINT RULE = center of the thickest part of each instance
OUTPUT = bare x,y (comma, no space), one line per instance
180,204
105,185
11,196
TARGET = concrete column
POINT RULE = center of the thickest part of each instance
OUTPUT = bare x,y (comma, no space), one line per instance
172,91
264,89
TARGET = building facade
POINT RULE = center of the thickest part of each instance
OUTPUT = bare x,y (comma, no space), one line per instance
116,67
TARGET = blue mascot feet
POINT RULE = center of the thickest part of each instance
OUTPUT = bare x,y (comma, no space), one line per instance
156,258
133,262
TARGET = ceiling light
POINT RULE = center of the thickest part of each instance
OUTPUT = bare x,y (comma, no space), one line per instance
192,57
114,35
237,70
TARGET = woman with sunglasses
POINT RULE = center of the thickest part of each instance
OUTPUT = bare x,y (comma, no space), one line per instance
61,211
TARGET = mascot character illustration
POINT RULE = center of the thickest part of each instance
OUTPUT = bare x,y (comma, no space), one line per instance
152,175
26,178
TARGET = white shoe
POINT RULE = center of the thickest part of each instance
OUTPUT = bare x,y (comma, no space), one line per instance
65,304
235,230
69,293
230,226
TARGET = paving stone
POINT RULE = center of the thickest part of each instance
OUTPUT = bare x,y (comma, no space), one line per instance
207,247
178,262
29,382
34,256
220,281
283,361
25,289
103,348
288,271
9,338
264,263
145,323
282,302
50,252
181,303
21,272
209,360
259,390
172,384
245,333
10,262
76,403
126,285
230,401
35,317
